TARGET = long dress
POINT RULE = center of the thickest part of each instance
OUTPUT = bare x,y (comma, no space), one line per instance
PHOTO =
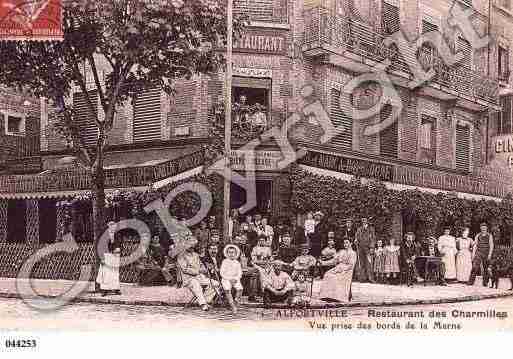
447,248
464,260
392,259
108,274
336,284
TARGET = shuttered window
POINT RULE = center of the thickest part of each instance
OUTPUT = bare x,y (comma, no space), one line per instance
427,139
84,118
388,137
504,126
465,47
503,64
467,2
391,22
341,119
462,147
428,26
147,116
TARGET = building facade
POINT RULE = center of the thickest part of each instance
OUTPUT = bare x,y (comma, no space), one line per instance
444,139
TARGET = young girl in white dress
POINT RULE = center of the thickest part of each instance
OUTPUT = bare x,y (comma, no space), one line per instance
392,268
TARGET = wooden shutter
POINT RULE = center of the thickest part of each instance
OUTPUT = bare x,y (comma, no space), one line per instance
391,22
147,116
84,118
504,125
465,47
428,26
257,10
388,137
340,113
462,147
503,63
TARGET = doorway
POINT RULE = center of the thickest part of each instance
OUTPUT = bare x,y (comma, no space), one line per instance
263,195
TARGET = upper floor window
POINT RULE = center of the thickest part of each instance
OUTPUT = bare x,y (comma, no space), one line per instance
427,139
390,17
503,63
504,123
462,146
251,104
466,48
388,137
14,123
505,4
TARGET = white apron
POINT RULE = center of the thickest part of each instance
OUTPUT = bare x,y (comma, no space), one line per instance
108,273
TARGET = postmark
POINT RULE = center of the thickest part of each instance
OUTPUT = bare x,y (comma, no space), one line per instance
32,20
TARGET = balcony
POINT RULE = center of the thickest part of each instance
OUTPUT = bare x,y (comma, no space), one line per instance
21,154
355,46
266,11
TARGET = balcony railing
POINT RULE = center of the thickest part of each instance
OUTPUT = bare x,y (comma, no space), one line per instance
328,32
20,147
263,10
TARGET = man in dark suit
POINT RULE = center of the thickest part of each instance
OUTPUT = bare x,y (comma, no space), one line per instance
365,240
212,260
287,253
430,249
349,232
410,250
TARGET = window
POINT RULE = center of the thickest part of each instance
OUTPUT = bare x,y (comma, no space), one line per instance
465,47
504,124
147,119
84,118
503,63
462,147
390,18
340,111
13,123
427,139
251,99
388,137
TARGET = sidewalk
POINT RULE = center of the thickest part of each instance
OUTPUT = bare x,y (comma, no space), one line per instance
364,294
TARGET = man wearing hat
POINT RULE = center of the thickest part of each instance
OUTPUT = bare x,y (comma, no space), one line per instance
193,274
365,240
410,250
349,232
437,268
277,285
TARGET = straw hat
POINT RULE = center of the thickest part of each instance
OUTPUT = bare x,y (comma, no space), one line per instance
228,246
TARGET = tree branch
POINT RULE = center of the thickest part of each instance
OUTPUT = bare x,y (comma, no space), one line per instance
94,70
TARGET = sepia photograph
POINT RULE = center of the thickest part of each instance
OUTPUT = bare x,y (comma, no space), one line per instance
327,166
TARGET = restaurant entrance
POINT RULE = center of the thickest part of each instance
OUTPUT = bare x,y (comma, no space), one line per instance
238,197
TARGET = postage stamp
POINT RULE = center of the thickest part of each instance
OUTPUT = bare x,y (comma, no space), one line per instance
34,20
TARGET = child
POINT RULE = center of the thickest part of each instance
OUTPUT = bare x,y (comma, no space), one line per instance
309,224
379,262
302,293
231,273
392,252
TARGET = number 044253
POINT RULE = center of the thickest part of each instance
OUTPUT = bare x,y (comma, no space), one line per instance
20,343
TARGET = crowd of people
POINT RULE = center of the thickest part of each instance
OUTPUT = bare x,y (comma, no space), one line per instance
280,263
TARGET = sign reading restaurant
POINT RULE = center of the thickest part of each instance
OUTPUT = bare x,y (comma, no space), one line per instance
258,41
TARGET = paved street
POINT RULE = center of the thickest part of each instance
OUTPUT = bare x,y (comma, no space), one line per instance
16,315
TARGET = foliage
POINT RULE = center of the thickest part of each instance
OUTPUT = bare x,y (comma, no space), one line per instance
340,199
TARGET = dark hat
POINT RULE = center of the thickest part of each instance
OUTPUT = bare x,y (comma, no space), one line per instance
304,246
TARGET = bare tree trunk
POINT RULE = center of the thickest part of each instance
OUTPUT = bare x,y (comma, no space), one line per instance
98,189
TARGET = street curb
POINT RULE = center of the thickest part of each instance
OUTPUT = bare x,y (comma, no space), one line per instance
156,303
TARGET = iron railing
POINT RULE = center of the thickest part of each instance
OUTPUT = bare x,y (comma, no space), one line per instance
324,29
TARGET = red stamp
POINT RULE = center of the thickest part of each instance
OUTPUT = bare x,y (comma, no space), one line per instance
32,20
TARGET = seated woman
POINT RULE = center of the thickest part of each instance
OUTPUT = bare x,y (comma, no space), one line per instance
336,285
304,262
153,266
327,255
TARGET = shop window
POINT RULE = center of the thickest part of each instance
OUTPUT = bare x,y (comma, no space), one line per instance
504,119
14,123
251,100
427,140
462,147
503,63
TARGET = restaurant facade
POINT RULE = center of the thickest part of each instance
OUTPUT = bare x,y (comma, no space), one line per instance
444,138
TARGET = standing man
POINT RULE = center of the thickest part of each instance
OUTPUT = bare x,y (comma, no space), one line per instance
348,232
481,254
365,239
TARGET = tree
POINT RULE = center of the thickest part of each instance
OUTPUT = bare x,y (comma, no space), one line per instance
129,46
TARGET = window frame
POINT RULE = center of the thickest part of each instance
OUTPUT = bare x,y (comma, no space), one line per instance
23,118
462,122
503,75
500,118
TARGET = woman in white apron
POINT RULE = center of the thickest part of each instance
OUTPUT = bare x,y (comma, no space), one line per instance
448,250
108,273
